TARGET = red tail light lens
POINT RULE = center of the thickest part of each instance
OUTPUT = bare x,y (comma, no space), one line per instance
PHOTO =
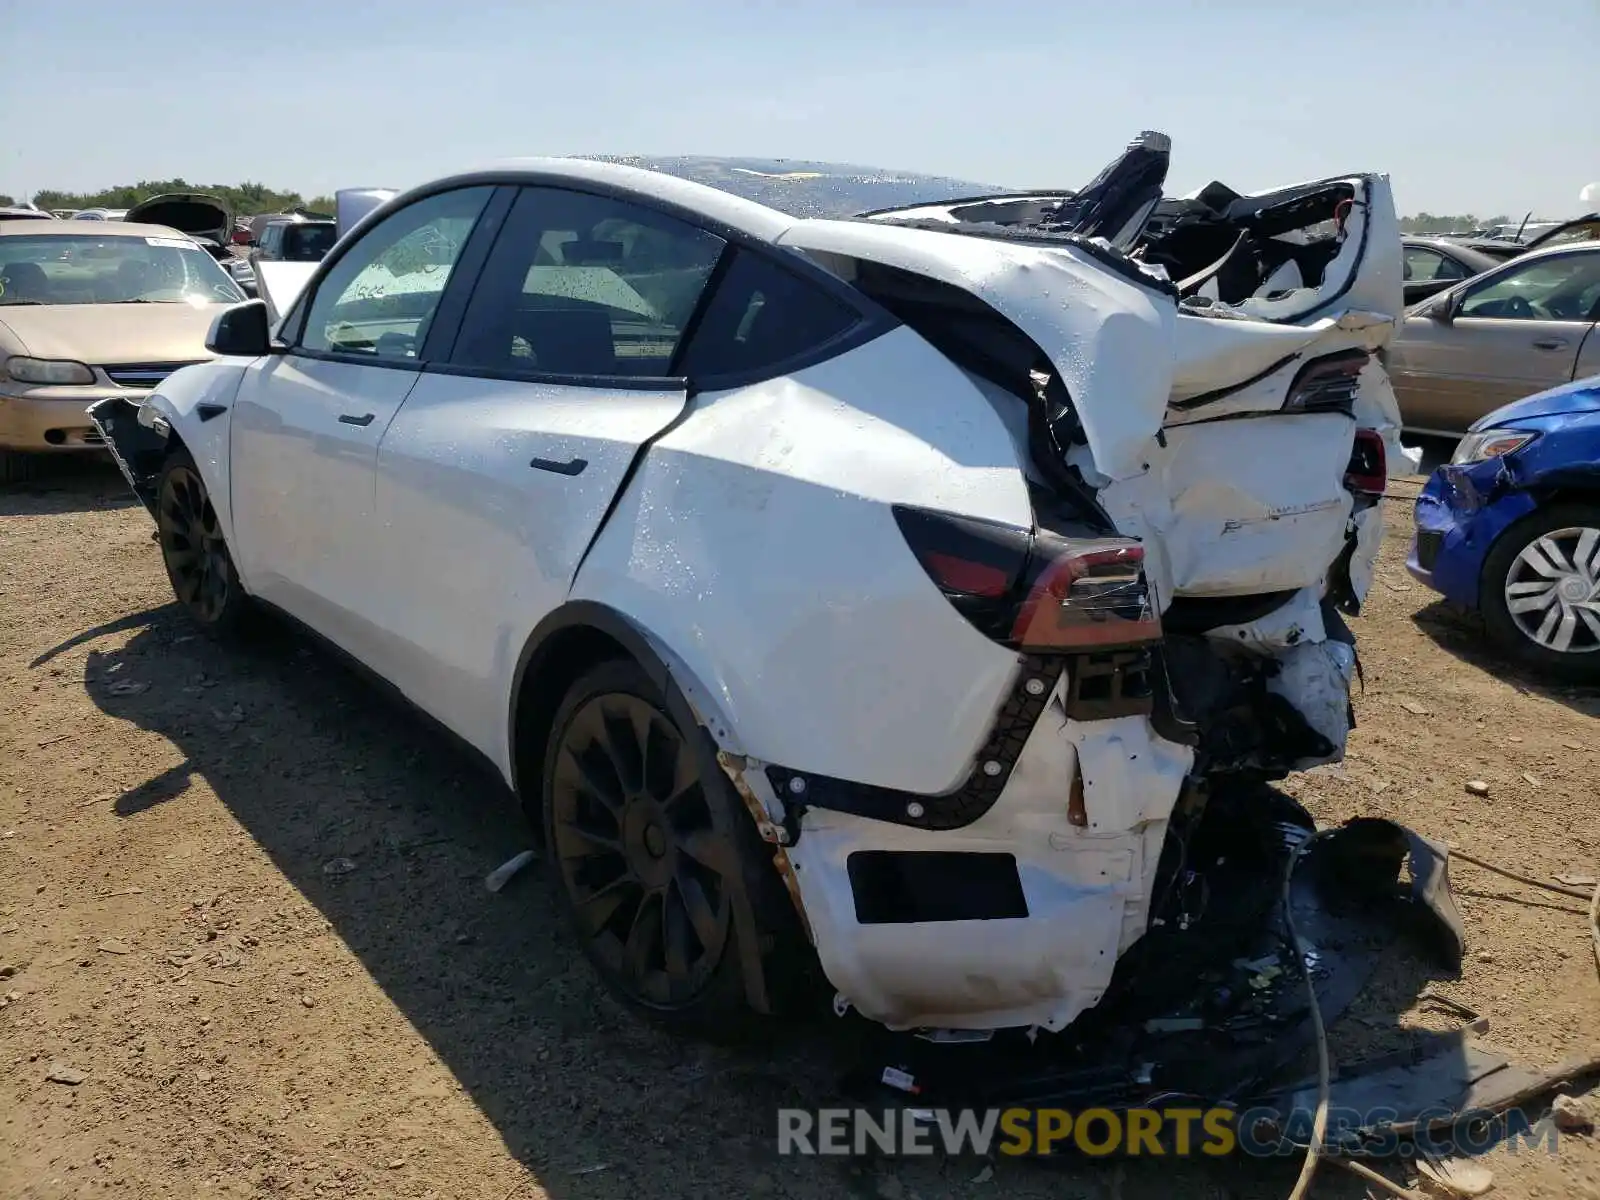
1087,597
1035,590
1327,384
1368,472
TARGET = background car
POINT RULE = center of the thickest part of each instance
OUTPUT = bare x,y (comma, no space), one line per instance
297,241
1526,325
1505,242
1431,264
89,311
17,213
1511,527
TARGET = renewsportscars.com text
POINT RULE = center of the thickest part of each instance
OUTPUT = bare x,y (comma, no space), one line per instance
1151,1132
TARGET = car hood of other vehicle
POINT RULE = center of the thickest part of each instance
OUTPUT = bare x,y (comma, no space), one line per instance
187,212
1580,396
109,333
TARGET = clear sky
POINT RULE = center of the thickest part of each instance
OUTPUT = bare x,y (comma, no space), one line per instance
1470,106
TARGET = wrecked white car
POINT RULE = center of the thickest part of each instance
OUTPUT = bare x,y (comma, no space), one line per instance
918,586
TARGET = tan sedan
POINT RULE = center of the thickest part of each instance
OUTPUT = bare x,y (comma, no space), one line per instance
90,310
1518,329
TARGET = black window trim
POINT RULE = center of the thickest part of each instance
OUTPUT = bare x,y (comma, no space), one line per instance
464,271
873,323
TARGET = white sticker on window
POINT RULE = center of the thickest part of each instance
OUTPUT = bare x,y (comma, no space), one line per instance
170,243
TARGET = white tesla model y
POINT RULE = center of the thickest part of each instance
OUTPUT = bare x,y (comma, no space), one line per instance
886,593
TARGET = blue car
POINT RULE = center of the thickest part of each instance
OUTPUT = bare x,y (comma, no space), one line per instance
1511,527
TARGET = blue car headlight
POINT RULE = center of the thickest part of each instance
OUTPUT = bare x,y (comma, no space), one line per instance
1489,443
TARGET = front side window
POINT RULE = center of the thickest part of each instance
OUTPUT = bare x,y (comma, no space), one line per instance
379,299
1565,288
579,284
89,269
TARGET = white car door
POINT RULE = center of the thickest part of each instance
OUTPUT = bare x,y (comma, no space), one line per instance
307,422
504,459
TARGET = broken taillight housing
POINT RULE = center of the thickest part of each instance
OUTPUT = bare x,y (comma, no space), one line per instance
1327,384
1368,472
1034,589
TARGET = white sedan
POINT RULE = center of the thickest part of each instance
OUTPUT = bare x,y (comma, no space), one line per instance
884,594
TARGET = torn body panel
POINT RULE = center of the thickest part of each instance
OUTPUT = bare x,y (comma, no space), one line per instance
950,958
193,405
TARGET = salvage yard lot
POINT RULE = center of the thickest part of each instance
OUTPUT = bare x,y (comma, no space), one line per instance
243,896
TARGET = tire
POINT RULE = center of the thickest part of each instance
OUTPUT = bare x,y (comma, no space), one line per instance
666,882
193,550
1535,578
16,467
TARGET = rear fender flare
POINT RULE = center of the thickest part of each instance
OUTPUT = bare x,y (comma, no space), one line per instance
688,701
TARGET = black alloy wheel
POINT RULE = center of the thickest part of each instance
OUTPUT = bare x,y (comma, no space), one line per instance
192,546
646,856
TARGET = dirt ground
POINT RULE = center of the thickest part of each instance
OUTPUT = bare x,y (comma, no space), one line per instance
244,897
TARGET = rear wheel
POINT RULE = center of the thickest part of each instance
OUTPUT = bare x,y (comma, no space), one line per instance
1541,591
193,550
652,854
16,467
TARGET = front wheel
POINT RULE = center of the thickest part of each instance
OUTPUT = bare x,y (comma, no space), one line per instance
1541,591
198,564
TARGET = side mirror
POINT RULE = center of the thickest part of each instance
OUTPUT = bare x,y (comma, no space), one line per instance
1443,310
242,331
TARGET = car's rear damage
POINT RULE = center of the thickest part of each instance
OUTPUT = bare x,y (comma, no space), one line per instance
1203,474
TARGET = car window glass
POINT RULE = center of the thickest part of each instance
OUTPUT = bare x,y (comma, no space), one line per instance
579,284
1551,289
1422,264
378,299
762,315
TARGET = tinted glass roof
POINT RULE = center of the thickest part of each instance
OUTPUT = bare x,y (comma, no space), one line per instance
802,188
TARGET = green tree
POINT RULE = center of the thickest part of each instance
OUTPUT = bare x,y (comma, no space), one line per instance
245,199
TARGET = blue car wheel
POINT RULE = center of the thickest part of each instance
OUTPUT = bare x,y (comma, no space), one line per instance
1541,590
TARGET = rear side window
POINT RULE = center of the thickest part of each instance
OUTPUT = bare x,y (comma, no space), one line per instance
760,317
579,284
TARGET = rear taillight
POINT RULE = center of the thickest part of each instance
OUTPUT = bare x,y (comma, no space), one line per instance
1327,384
1033,589
1368,472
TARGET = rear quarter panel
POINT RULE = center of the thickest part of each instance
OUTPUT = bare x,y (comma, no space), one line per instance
757,543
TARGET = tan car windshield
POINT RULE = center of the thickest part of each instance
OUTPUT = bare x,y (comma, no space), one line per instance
77,269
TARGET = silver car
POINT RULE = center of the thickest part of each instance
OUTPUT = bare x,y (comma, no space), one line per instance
1521,328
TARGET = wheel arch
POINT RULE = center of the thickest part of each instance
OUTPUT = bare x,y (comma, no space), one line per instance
566,643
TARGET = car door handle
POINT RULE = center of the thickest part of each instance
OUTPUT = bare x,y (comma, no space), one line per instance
352,419
573,466
1550,344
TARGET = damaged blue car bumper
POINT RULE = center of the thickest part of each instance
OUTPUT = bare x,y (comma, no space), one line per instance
1468,505
1460,513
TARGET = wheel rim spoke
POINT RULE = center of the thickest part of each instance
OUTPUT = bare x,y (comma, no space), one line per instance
599,907
1535,603
698,909
1546,558
1586,555
644,937
707,849
675,939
